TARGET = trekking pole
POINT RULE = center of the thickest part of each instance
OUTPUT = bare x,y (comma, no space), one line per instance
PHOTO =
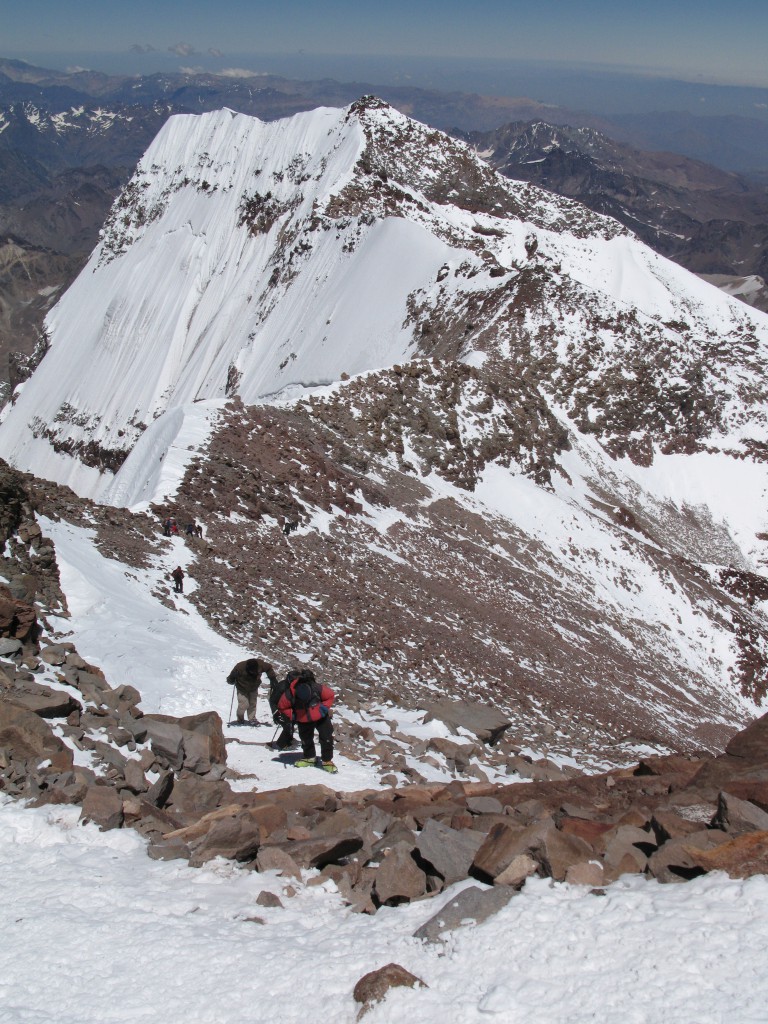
231,705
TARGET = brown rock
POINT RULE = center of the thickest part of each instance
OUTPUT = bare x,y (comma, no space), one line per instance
669,764
373,987
194,794
741,857
204,745
484,720
399,879
319,851
26,737
103,806
559,851
268,899
585,873
590,831
134,777
676,861
235,838
457,753
667,824
751,744
201,827
272,858
622,857
44,701
516,872
156,822
484,805
735,815
160,791
166,739
505,842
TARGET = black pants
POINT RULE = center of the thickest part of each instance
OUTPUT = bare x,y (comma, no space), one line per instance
285,739
307,736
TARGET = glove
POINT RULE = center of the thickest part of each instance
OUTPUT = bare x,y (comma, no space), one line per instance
323,711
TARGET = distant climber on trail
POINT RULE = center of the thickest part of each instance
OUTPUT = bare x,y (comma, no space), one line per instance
178,579
308,703
246,677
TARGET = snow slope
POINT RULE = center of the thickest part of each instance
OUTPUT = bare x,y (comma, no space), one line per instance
157,940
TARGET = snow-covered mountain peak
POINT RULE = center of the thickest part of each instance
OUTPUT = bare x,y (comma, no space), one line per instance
267,259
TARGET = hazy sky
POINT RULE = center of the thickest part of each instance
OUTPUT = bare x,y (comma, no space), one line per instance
710,40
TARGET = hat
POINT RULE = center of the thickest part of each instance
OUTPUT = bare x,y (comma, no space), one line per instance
303,693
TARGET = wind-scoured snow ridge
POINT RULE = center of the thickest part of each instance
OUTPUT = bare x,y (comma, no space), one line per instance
261,260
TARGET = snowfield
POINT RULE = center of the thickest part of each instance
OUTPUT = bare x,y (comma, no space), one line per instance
94,931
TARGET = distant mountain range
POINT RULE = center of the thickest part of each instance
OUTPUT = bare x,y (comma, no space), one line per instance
713,222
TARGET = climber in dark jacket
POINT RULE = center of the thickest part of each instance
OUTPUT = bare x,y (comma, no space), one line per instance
308,703
245,677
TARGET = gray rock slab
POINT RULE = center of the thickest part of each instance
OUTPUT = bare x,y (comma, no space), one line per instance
471,906
487,723
448,850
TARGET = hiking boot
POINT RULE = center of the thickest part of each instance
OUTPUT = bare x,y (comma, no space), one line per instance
305,762
329,766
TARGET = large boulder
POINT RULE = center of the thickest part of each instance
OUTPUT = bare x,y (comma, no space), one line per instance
103,806
399,879
18,619
735,815
28,738
741,857
236,838
559,852
44,701
318,851
449,851
195,742
484,720
680,859
506,842
751,744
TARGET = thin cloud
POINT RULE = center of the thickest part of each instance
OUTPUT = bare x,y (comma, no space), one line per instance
241,73
213,52
142,48
183,50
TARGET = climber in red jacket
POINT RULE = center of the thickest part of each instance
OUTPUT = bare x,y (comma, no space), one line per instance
308,703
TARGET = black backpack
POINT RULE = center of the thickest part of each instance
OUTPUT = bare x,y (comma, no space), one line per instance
304,677
278,688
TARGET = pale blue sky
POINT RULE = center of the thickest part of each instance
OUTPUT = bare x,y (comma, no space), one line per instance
694,39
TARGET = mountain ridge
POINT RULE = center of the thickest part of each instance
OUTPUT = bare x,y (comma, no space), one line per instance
522,451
